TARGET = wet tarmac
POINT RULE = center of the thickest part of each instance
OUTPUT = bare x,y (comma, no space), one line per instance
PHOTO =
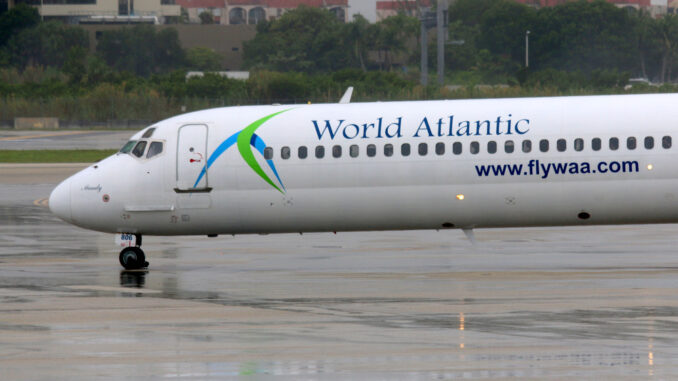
547,303
79,139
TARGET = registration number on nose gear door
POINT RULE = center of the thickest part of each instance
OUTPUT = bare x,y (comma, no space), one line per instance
125,240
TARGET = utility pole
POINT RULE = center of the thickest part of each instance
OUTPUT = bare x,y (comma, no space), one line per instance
424,53
441,22
428,21
527,49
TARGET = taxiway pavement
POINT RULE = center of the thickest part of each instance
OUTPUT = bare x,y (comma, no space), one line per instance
78,139
549,303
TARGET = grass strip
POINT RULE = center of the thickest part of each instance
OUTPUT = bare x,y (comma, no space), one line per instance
54,156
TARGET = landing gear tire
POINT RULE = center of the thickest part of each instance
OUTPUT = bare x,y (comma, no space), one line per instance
133,258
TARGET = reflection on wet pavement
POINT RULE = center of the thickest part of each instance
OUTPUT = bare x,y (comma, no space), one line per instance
524,303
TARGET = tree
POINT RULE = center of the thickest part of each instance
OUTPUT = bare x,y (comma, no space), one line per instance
75,64
667,33
206,18
204,59
22,16
46,44
304,39
141,50
503,28
358,33
391,37
584,36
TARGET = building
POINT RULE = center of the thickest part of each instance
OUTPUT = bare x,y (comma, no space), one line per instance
194,8
654,7
365,8
120,11
388,8
235,12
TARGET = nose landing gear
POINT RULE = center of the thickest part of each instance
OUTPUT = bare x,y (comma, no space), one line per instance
133,258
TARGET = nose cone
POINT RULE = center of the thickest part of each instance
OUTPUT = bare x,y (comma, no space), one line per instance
60,201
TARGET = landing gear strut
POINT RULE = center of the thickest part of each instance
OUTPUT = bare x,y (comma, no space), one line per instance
133,258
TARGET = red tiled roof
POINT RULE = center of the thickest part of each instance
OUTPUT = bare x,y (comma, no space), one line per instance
201,3
550,3
288,3
393,5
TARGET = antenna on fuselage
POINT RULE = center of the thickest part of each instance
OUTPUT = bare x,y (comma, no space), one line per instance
347,96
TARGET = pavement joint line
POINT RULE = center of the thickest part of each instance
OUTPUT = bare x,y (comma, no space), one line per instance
25,137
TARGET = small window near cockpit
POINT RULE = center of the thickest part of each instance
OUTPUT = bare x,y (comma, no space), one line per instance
128,146
148,133
268,153
154,150
139,149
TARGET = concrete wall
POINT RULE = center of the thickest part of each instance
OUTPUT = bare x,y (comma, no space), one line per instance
226,40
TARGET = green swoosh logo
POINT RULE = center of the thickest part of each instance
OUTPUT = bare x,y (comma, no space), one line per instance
245,148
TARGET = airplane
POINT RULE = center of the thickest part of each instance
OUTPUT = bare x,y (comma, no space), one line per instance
464,164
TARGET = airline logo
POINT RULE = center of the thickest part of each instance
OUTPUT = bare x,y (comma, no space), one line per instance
427,128
245,140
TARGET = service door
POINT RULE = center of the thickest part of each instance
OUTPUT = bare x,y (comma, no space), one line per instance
192,159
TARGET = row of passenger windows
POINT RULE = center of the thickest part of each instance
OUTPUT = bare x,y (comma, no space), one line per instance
544,145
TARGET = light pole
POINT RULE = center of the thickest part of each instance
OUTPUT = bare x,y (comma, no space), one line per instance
441,27
527,49
428,20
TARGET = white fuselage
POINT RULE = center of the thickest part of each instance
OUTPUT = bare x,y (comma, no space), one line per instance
213,176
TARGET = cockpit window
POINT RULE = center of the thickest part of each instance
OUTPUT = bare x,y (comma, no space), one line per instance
139,149
154,150
128,146
149,133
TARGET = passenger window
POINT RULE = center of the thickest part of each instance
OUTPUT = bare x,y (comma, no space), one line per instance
423,149
388,150
285,153
631,143
138,150
649,142
405,149
336,152
527,146
148,133
354,150
492,146
614,144
596,144
128,146
475,148
666,142
154,150
319,152
440,148
544,145
561,145
371,150
302,152
457,148
578,145
268,153
509,146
